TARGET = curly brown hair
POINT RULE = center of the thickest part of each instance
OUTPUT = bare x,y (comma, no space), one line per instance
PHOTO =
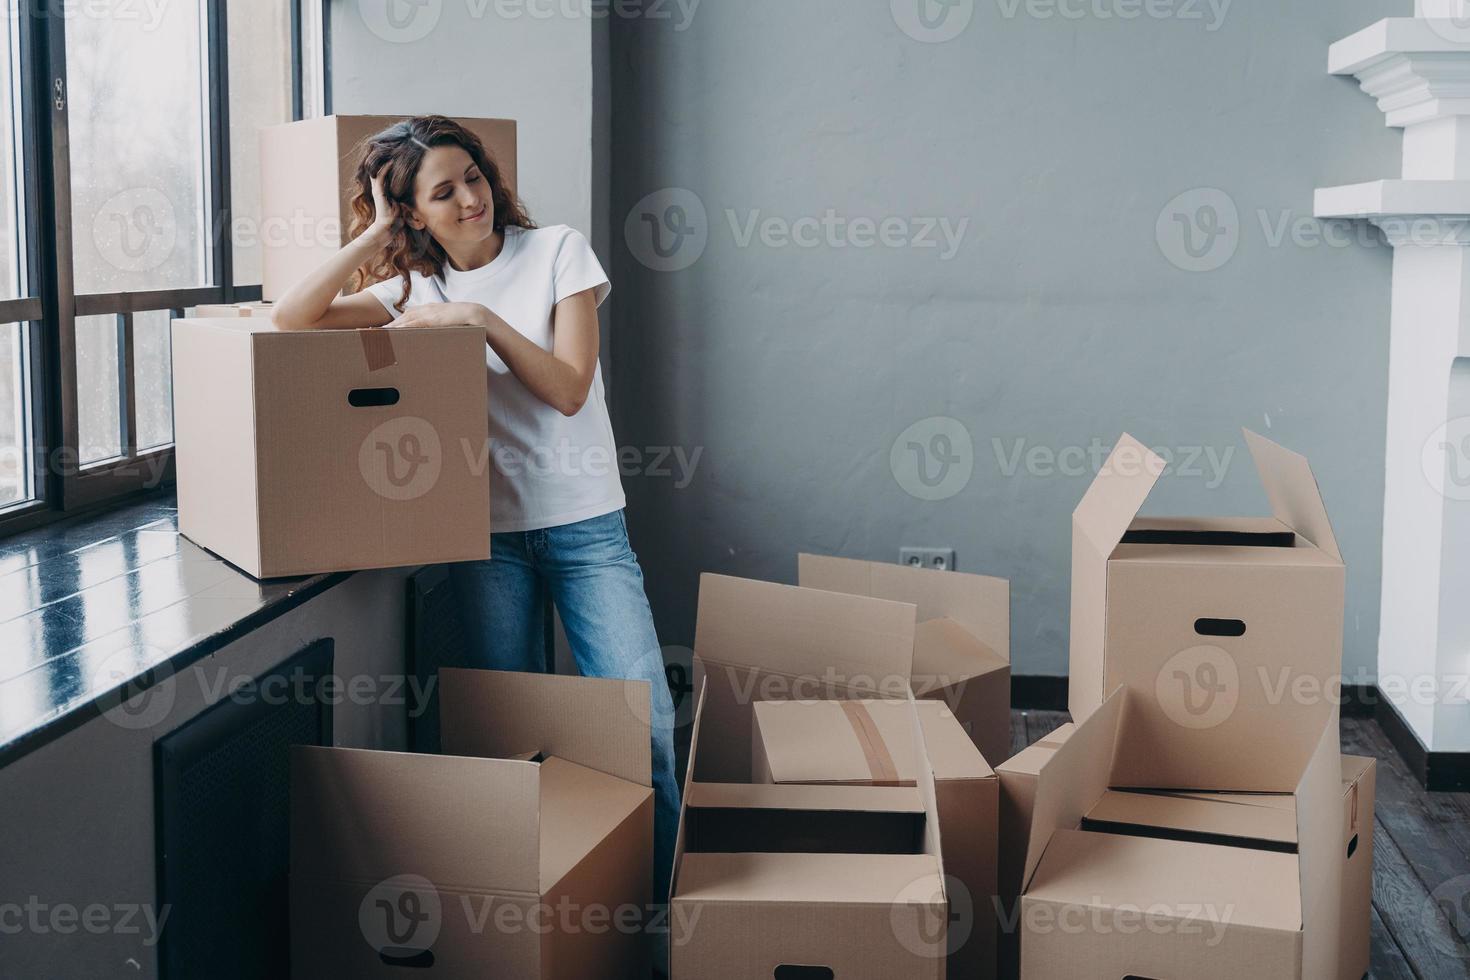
397,153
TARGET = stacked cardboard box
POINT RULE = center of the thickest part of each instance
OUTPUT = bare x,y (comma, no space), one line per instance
525,851
320,451
792,854
1200,820
870,743
330,450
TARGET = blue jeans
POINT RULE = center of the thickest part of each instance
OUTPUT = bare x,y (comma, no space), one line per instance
590,573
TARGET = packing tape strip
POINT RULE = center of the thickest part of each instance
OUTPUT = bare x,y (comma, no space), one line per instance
377,348
1354,824
880,762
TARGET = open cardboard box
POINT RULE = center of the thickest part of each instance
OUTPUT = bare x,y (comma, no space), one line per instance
1018,776
962,644
1144,899
300,452
1226,631
808,880
871,743
526,851
775,880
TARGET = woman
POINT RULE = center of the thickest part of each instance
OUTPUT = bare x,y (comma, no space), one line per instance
451,244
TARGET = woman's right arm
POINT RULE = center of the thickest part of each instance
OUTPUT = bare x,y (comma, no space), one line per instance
314,302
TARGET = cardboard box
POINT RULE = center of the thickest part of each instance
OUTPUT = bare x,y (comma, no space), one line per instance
1359,789
473,863
1017,778
307,171
1228,632
1359,779
802,880
209,311
962,646
870,743
1018,775
301,452
1218,901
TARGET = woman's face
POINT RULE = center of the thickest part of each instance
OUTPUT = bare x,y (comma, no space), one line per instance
451,198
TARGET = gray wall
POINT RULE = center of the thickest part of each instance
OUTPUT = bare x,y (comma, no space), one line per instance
460,57
1061,318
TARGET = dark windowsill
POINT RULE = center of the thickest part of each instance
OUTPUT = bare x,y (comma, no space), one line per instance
92,604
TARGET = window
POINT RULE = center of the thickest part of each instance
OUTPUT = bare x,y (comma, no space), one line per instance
129,129
17,341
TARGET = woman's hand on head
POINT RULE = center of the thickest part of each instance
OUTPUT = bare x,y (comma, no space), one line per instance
385,217
444,315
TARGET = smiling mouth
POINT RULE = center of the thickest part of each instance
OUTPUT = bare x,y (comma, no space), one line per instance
476,216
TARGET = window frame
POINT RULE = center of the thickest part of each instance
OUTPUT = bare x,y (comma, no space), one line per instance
50,306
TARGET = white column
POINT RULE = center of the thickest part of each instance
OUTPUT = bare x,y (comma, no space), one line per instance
1419,71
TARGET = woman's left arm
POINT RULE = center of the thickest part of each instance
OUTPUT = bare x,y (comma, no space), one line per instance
560,377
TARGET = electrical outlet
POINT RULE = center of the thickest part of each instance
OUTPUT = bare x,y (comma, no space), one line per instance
941,559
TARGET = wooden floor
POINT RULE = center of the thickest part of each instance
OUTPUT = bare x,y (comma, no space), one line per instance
1421,873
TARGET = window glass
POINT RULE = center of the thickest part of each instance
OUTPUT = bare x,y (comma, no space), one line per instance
99,421
152,368
15,443
137,130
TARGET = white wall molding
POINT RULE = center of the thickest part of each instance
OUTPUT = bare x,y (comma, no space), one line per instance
1418,70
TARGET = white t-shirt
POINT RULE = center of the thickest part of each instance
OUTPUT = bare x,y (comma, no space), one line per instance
546,469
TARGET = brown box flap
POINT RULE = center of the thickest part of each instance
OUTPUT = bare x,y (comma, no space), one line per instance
1075,777
801,632
829,879
757,641
817,742
1296,500
366,816
946,653
1098,524
595,722
981,604
579,808
1243,888
1028,761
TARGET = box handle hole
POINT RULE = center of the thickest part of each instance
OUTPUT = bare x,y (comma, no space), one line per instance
1353,846
1219,627
372,397
788,971
415,959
